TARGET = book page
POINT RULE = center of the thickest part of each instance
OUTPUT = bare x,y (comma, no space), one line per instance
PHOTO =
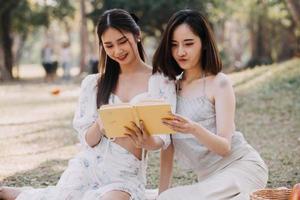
152,113
115,117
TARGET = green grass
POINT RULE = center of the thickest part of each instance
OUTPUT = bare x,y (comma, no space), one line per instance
37,140
268,114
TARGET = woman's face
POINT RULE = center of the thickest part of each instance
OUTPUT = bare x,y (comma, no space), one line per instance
186,47
120,46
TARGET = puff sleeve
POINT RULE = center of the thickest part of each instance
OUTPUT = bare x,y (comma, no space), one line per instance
161,88
86,111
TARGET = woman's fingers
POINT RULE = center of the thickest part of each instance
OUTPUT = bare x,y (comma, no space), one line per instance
175,118
132,135
144,131
135,135
172,122
179,118
138,132
175,125
133,139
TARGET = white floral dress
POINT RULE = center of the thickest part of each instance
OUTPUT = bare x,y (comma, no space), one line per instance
95,171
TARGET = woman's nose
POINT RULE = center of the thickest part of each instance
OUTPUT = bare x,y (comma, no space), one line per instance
181,51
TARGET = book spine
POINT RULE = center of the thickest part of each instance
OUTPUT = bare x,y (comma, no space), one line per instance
136,116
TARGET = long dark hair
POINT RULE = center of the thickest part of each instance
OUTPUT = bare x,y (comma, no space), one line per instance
163,60
110,69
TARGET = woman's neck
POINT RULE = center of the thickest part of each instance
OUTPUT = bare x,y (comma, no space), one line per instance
132,66
190,75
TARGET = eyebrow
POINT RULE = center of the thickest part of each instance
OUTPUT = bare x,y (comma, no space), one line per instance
118,40
185,40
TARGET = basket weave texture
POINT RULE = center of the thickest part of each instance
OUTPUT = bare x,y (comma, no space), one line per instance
271,194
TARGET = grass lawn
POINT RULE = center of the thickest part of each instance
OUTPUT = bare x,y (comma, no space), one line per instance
37,139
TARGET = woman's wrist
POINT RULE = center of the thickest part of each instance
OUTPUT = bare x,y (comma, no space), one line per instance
195,127
99,130
94,135
153,143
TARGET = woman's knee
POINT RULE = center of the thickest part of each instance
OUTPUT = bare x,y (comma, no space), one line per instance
167,195
120,195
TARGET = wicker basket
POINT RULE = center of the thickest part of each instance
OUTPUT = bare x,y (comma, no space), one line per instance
271,194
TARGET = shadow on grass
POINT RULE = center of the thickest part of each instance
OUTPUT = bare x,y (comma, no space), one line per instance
46,174
250,78
35,121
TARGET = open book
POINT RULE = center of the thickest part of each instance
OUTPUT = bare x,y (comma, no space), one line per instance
114,117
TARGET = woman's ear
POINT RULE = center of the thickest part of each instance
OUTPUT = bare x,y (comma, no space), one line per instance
138,37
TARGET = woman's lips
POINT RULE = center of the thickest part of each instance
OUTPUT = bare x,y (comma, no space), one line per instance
182,60
123,57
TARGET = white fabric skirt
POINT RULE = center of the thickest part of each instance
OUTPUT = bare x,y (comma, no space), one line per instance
233,182
92,173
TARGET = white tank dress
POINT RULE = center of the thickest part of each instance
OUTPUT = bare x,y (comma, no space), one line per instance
219,178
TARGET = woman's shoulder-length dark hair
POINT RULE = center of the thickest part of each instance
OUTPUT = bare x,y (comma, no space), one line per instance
163,60
108,68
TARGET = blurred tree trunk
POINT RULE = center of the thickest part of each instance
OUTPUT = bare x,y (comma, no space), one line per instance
83,37
3,71
18,50
259,38
6,41
288,43
259,44
294,6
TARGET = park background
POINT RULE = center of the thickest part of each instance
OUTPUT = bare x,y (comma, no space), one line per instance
259,41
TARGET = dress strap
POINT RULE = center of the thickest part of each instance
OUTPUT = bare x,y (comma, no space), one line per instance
144,165
113,99
204,83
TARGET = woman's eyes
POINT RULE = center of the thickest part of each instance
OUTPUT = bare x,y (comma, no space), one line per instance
123,41
120,42
186,44
189,44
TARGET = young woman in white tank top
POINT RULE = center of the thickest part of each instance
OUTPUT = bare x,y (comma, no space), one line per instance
206,140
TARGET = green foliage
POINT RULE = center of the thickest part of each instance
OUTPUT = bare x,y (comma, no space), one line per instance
26,16
153,14
63,9
267,22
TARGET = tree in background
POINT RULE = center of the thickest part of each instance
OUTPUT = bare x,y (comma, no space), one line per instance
294,7
20,18
253,33
272,33
153,14
248,32
6,12
83,36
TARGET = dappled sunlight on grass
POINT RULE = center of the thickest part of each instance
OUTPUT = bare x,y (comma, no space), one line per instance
44,174
268,114
35,126
37,139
